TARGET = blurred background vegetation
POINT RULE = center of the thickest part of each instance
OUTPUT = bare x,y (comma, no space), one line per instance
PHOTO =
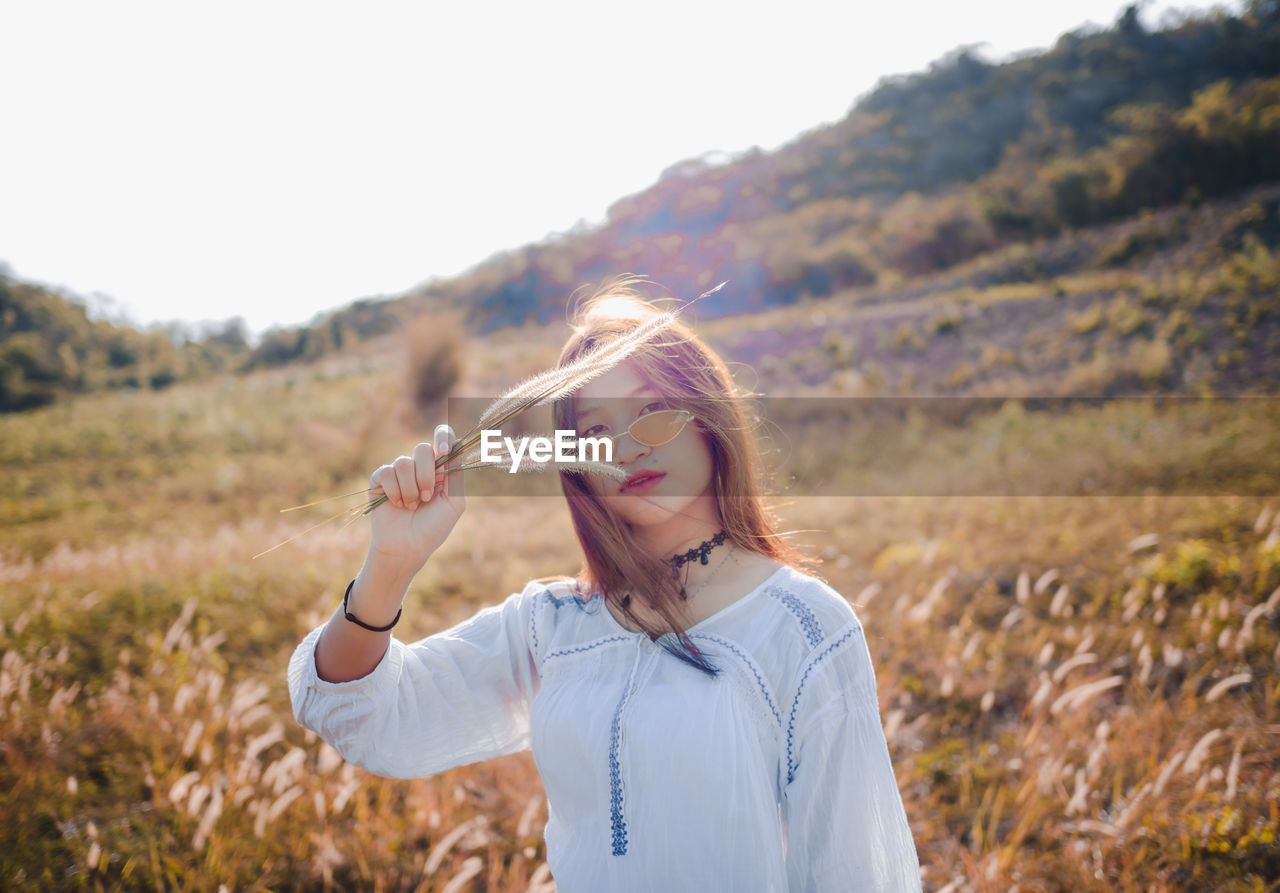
1079,692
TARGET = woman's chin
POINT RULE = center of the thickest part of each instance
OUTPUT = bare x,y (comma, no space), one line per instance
647,511
634,505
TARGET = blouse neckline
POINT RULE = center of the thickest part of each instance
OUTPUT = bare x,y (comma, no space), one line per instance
759,587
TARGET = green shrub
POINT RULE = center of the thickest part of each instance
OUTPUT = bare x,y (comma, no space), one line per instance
1087,321
906,338
1126,318
1191,568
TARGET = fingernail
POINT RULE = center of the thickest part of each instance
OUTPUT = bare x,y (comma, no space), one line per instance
425,496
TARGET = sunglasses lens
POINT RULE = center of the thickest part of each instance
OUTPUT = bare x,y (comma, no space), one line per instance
657,428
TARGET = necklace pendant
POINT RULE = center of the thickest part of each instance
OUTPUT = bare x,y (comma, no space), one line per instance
704,557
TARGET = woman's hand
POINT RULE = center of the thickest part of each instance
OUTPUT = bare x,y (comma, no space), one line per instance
422,505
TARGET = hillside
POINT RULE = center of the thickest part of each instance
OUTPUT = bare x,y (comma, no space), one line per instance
931,170
1085,171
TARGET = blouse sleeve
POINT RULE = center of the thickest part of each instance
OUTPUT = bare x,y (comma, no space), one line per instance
459,696
846,827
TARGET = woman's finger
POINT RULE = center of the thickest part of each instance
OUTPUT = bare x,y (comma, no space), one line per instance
424,471
442,438
406,478
384,479
450,482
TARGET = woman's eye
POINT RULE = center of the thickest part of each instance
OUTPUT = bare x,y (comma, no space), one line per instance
657,406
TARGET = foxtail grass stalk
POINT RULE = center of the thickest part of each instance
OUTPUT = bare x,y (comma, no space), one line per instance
539,390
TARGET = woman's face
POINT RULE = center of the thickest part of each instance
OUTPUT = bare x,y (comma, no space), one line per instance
667,485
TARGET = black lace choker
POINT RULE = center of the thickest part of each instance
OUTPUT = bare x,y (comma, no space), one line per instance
699,551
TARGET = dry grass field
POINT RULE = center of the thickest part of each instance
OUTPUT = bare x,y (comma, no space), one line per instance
1079,692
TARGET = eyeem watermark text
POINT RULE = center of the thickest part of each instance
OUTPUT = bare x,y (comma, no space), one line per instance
566,446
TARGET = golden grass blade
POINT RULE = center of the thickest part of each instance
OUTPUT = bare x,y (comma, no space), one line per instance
308,530
294,508
372,504
356,513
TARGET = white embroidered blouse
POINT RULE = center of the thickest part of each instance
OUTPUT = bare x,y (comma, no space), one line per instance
772,775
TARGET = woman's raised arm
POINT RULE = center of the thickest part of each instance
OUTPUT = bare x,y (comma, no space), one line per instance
410,709
422,507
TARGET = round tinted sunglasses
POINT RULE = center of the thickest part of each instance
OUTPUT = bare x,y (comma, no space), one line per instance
655,428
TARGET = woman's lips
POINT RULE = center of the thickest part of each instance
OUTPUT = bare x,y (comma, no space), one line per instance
644,480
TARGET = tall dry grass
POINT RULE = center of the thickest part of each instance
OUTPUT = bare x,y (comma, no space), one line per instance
1078,693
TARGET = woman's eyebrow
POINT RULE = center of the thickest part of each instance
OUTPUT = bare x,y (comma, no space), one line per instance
593,407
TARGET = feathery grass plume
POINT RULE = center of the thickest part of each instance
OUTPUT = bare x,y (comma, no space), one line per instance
475,459
1226,685
1059,600
1165,773
471,866
1233,772
1044,581
557,383
1146,541
1071,663
1131,807
1083,694
1042,692
539,390
524,828
1199,751
1264,518
446,843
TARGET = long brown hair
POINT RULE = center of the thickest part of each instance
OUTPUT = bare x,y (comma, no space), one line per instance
688,375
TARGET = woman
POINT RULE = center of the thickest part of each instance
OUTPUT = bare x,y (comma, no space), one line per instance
703,715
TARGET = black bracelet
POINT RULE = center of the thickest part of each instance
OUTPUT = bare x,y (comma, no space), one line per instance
358,622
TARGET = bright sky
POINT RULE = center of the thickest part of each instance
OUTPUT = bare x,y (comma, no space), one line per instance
275,159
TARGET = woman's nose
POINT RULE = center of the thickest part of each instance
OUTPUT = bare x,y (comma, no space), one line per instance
626,449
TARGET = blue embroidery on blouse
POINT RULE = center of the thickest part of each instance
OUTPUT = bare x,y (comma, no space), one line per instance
586,647
589,605
791,769
615,783
812,630
751,665
533,620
